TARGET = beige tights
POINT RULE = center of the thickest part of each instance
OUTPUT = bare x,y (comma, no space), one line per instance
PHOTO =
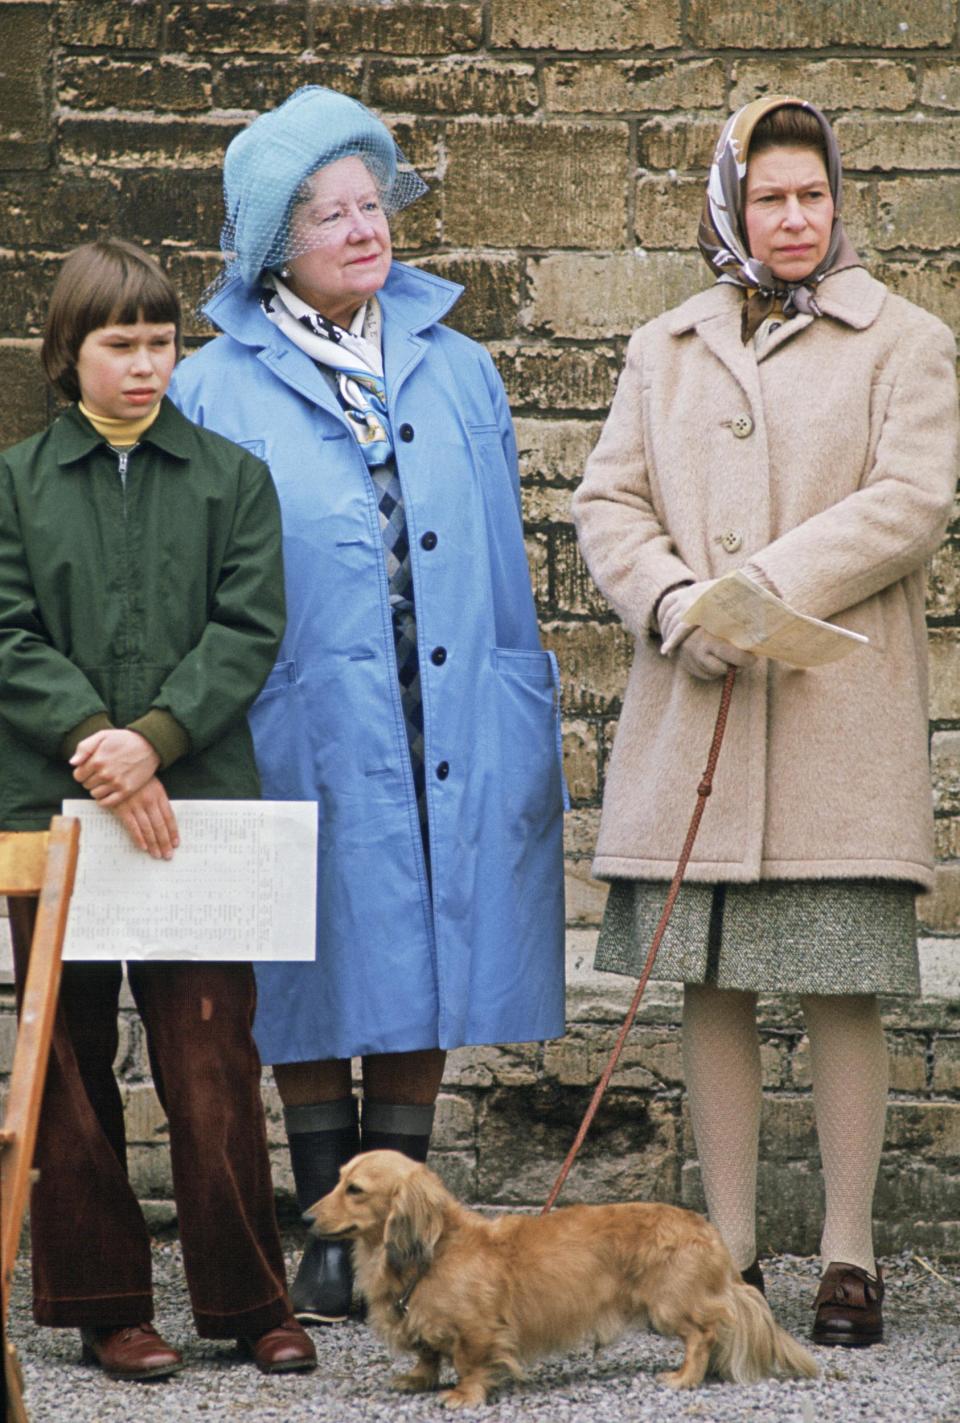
721,1064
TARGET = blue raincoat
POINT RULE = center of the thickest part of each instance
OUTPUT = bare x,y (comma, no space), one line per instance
479,958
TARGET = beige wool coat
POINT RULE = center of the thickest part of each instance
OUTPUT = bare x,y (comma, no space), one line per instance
829,464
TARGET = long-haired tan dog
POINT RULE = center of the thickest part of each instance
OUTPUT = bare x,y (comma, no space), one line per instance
442,1282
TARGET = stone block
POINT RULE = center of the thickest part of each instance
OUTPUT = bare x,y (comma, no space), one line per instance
828,83
940,983
8,1040
24,407
946,1065
145,1119
581,295
415,28
924,1129
546,503
580,758
192,276
908,1189
245,26
585,24
940,85
668,211
581,827
943,581
595,659
555,450
26,132
588,86
933,284
164,142
939,910
148,1168
417,228
629,1154
678,141
945,672
59,211
458,1172
262,82
945,766
94,24
572,590
811,24
535,183
455,1124
946,838
556,378
453,86
871,144
24,293
168,84
489,308
650,1061
918,212
506,1065
787,1128
538,560
585,896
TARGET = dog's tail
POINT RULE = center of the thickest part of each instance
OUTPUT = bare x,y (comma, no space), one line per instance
753,1346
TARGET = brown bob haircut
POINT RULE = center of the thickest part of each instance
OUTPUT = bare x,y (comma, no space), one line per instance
788,127
104,283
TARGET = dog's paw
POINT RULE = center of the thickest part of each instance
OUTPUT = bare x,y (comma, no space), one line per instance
414,1382
464,1396
674,1378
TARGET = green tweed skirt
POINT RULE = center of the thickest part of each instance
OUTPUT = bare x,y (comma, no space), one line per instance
775,936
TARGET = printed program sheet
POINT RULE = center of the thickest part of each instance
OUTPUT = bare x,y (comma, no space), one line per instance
738,609
241,886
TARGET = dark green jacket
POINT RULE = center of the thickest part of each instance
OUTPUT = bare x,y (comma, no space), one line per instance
154,600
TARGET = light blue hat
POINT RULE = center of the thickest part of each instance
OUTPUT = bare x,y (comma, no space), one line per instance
266,164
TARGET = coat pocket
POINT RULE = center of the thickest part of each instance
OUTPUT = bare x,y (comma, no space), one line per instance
530,739
281,738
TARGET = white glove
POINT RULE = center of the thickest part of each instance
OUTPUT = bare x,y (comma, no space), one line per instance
707,657
670,613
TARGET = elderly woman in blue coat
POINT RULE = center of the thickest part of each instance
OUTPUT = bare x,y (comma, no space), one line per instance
411,699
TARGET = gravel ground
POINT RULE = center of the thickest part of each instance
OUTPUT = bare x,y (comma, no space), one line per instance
914,1376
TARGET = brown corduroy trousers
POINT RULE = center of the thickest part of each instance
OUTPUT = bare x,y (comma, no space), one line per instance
90,1247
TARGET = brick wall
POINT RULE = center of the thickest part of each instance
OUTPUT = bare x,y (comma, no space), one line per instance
566,144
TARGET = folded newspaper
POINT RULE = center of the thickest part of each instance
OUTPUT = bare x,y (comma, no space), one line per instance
738,609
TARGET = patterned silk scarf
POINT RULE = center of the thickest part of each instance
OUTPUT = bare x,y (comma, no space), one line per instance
354,356
722,235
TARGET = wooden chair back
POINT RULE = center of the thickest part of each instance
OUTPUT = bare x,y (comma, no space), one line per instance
41,863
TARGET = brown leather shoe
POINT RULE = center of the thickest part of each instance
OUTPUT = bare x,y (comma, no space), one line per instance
848,1307
283,1349
135,1352
753,1275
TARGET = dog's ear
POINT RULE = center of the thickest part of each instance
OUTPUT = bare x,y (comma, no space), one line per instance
415,1222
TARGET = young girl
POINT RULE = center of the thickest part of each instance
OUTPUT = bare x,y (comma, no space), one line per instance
141,606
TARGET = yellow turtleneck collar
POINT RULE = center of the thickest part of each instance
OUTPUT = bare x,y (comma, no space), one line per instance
120,433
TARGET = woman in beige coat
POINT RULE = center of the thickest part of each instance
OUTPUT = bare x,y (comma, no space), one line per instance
799,421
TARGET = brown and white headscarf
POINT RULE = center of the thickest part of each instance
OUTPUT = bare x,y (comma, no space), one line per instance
722,236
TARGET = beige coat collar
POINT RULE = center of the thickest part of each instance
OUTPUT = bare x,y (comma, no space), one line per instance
853,297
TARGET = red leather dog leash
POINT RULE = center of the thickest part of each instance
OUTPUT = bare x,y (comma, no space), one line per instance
703,790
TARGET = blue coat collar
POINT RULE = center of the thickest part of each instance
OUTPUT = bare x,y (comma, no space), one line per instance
412,302
411,299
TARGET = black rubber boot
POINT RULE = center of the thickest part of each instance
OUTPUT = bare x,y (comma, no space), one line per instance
322,1137
388,1126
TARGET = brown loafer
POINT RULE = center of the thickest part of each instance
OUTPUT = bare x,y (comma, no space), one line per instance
135,1352
848,1307
283,1349
753,1275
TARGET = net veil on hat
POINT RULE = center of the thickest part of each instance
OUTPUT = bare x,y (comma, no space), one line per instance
267,163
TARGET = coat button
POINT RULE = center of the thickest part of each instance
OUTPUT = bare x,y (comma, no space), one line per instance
438,656
406,433
742,426
429,540
443,770
731,540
